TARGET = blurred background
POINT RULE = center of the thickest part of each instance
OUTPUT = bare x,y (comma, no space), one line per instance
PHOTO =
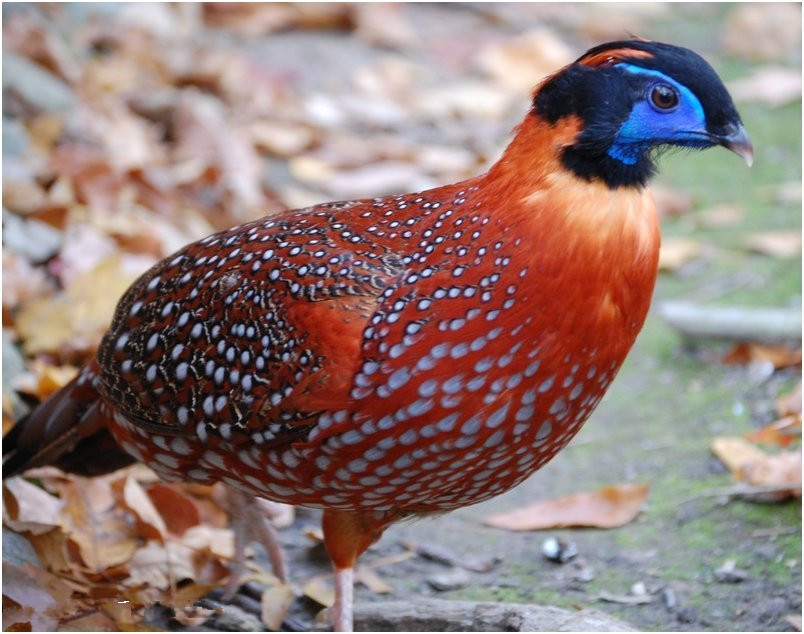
130,130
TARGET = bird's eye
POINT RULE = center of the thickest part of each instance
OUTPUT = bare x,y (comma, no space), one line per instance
663,97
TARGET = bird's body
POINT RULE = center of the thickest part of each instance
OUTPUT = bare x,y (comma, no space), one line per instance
401,355
406,354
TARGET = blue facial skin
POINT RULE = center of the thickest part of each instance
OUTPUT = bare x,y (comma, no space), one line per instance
649,125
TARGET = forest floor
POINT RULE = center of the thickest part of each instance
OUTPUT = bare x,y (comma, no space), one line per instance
377,100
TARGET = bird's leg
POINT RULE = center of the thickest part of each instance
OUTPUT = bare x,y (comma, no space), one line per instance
249,522
264,532
347,534
341,616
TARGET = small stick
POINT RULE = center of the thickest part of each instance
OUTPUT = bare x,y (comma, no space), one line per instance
731,322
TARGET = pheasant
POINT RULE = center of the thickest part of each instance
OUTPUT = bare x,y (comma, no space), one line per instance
404,355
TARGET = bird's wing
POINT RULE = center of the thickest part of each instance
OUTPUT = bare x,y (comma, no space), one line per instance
250,332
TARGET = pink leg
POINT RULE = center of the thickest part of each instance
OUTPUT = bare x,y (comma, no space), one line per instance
341,611
249,523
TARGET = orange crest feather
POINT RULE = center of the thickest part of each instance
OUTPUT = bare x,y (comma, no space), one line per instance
609,57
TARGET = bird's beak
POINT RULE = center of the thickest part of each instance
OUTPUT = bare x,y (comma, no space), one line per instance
738,142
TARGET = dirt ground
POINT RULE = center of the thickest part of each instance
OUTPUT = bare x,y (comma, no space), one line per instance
671,398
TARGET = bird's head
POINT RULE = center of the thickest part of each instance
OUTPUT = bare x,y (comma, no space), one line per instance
632,98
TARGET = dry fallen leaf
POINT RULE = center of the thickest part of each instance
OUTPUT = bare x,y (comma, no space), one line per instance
274,605
45,379
782,432
777,470
24,585
778,356
319,591
75,320
777,244
734,452
676,252
749,463
605,508
150,523
161,565
372,580
28,508
178,511
102,532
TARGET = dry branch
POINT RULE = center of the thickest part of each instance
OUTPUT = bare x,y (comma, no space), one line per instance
731,322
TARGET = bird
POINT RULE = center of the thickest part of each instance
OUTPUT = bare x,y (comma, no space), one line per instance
405,355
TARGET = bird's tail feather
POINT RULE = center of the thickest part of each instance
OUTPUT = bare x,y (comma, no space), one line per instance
67,430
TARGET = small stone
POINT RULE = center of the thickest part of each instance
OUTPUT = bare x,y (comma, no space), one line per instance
669,596
34,240
639,589
16,140
687,615
17,550
558,550
451,580
39,88
729,573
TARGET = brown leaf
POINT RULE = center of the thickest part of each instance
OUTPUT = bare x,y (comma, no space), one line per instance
28,508
735,452
369,578
281,138
777,470
778,356
260,18
101,532
75,320
53,550
274,605
25,586
160,565
749,463
782,432
45,379
778,244
190,593
178,511
150,523
676,252
22,196
97,622
605,508
217,541
319,591
789,403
